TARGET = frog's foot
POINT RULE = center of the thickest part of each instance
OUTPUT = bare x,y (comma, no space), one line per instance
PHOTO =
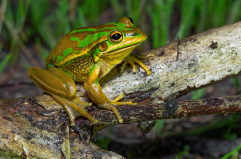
131,59
112,107
79,107
114,102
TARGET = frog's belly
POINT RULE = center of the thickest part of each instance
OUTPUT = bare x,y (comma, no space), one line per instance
79,68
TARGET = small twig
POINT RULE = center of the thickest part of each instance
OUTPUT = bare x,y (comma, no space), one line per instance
178,43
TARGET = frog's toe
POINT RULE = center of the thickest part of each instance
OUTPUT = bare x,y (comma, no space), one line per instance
148,72
131,62
121,103
69,105
140,63
118,98
81,111
112,107
96,121
132,59
123,66
121,121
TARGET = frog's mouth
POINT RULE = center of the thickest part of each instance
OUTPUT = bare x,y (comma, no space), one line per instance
117,56
117,51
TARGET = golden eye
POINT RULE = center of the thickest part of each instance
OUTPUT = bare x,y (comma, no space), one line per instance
116,36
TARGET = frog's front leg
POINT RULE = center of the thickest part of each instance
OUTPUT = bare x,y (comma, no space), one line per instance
132,59
61,87
96,94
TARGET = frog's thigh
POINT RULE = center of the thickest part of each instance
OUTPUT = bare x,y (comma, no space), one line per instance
54,80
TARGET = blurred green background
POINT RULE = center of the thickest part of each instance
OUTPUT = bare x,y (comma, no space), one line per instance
29,29
44,22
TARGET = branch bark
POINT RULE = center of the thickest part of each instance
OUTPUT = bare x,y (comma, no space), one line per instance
38,126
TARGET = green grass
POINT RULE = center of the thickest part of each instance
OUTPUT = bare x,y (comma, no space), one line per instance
185,151
160,13
198,94
4,61
105,142
233,154
49,22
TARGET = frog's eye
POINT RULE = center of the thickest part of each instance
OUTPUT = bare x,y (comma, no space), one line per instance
116,36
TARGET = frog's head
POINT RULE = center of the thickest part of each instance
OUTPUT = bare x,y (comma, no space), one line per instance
121,39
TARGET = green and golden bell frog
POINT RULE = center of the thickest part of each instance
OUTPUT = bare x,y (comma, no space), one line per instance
86,55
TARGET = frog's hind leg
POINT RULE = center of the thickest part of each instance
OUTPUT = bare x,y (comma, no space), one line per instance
61,87
72,115
76,99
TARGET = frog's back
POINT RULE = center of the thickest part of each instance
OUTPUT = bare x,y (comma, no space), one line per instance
73,52
78,43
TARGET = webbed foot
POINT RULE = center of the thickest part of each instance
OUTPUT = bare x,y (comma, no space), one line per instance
79,107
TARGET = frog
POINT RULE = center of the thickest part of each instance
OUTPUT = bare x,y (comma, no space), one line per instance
86,55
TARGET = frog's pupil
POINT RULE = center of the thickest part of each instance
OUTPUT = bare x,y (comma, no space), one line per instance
116,36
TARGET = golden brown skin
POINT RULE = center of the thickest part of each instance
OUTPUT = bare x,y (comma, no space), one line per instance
86,55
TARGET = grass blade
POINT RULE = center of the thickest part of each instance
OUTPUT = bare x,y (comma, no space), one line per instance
198,94
232,152
4,62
